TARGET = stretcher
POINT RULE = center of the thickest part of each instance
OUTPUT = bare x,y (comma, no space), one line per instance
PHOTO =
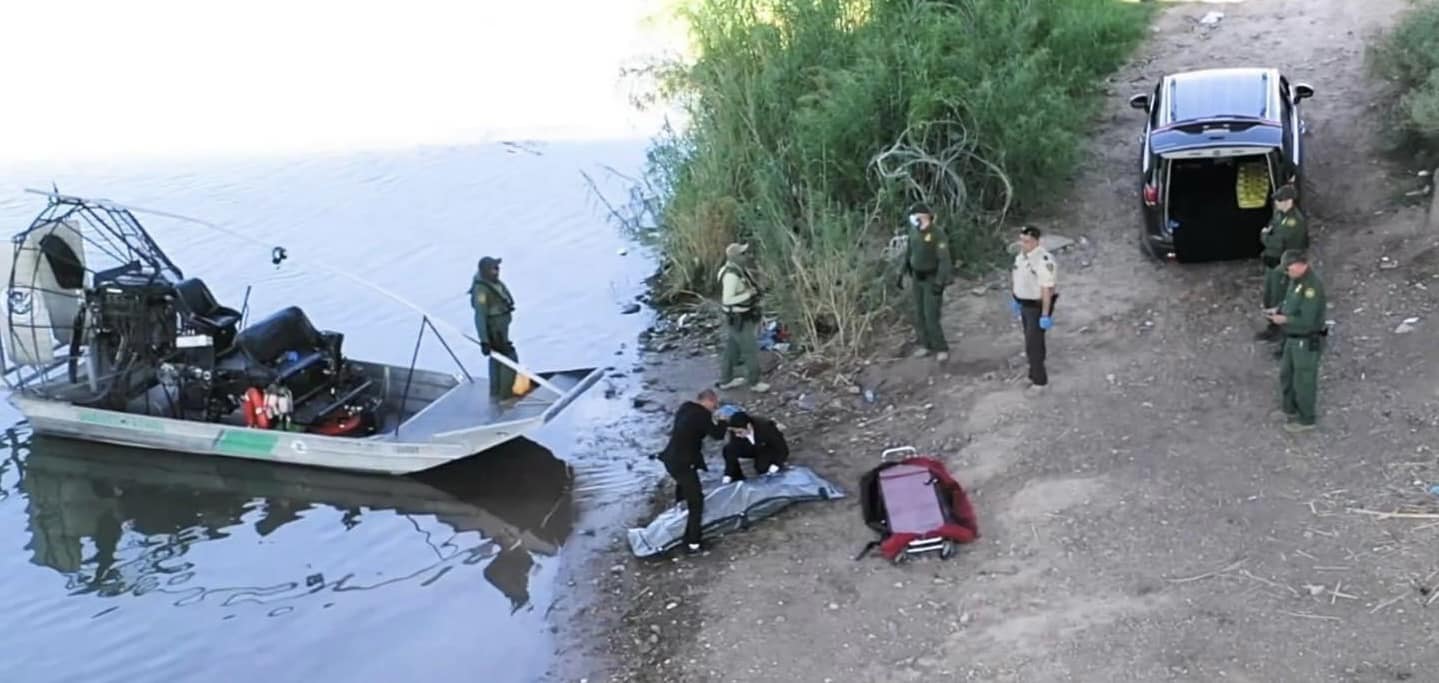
915,506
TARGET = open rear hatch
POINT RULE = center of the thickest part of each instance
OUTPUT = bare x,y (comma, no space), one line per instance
1217,179
1217,204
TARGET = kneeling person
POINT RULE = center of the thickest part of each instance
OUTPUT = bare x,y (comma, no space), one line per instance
755,438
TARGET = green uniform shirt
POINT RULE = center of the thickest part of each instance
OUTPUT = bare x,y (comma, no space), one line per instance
1304,305
1285,231
928,252
493,304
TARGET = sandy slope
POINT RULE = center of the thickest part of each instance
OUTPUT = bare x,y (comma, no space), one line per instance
1144,520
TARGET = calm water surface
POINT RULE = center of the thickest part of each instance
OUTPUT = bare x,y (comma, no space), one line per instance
125,565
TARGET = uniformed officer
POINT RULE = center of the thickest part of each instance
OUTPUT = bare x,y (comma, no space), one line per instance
1287,230
1301,319
930,267
1035,279
739,297
494,306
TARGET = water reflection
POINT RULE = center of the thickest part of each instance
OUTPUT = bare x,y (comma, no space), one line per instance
120,522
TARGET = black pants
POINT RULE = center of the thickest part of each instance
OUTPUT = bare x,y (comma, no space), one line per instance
740,448
687,488
1030,311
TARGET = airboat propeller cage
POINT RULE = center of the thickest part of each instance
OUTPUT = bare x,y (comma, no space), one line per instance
51,266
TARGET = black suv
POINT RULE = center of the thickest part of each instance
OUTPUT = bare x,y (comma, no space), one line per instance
1217,142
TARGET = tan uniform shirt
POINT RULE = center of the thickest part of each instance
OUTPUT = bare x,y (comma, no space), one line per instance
735,292
1032,272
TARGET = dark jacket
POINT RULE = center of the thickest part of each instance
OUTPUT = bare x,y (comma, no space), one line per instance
769,444
693,422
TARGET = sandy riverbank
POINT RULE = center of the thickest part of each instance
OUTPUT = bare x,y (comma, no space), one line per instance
1144,519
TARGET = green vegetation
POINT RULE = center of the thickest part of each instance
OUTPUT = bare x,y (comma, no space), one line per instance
1408,57
813,124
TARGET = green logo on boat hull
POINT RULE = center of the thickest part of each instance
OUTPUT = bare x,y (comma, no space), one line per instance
246,442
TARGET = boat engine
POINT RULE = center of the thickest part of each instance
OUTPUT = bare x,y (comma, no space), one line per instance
128,322
142,333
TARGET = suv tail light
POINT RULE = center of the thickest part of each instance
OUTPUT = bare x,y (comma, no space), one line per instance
1151,195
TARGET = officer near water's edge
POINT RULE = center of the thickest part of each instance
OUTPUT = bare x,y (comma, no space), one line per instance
739,297
930,266
1286,230
494,307
1036,280
1301,320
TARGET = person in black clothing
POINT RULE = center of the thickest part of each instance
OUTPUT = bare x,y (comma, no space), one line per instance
757,438
684,457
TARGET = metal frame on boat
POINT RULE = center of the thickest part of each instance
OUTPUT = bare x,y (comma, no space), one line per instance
133,353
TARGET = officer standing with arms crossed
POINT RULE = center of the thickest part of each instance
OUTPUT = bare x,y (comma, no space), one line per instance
930,266
1301,320
1287,230
1035,281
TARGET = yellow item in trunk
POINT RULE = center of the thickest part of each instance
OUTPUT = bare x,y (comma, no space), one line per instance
522,384
1251,185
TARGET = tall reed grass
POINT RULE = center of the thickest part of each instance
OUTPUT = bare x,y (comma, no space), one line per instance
812,124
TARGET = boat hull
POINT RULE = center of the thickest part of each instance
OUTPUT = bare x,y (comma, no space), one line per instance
405,451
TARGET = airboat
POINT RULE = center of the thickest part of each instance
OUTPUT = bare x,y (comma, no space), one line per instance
105,339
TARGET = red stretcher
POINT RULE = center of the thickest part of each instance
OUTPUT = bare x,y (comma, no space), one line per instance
916,506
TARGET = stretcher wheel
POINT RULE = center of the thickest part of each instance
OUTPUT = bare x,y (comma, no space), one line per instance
946,550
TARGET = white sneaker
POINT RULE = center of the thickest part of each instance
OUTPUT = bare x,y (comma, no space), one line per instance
942,357
736,382
919,353
760,388
773,469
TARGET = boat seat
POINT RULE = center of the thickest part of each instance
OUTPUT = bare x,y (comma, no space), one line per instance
286,348
203,313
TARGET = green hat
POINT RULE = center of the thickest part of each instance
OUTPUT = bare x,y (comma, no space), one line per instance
1284,192
1293,256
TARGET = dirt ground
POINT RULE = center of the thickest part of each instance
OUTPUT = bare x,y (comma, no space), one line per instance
1144,518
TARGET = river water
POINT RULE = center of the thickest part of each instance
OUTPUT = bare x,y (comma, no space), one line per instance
125,565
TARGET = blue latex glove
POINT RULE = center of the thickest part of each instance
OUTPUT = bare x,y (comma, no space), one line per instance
1014,307
1045,322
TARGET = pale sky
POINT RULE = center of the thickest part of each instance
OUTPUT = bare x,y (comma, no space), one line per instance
145,78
